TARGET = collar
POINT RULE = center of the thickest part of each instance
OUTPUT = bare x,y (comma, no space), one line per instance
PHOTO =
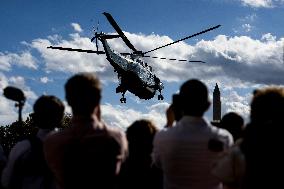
42,133
193,122
81,122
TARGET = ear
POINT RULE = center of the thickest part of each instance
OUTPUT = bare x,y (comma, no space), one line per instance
98,112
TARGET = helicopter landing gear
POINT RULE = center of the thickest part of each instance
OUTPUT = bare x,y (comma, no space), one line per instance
121,89
160,96
123,99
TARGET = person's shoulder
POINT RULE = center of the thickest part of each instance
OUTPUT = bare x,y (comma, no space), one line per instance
116,133
222,134
165,133
20,148
22,144
120,137
53,136
56,138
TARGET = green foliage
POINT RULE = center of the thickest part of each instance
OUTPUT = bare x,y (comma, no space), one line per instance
17,131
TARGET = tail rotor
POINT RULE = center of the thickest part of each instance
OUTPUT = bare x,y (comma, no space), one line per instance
96,36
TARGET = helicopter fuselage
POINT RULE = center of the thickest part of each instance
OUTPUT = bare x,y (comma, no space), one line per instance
134,74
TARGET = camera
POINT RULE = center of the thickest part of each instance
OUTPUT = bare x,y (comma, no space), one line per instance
14,94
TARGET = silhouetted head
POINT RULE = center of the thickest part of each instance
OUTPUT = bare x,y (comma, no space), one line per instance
234,123
267,105
83,93
263,138
194,98
140,135
48,112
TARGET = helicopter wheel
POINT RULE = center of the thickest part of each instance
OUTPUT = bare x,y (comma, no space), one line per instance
123,100
160,97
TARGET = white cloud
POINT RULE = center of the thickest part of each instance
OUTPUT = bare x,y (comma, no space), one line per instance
249,18
72,62
234,102
241,58
122,117
5,62
8,111
258,3
253,61
24,59
238,62
76,27
247,27
45,80
262,3
269,38
19,82
245,24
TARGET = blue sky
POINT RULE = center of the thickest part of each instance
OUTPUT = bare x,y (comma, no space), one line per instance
245,53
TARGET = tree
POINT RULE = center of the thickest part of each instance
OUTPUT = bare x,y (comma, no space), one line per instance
17,131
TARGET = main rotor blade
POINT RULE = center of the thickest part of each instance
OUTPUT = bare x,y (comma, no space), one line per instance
119,31
77,50
174,59
204,31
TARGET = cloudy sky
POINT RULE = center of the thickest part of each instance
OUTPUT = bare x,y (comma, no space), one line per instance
245,53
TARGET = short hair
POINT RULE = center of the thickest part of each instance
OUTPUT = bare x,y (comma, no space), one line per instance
194,97
140,135
83,93
234,123
48,112
267,104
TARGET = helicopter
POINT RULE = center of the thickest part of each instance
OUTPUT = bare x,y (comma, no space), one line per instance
134,74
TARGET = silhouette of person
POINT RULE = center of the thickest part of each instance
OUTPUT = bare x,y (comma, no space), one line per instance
257,162
138,171
174,112
3,161
234,123
88,154
26,166
186,152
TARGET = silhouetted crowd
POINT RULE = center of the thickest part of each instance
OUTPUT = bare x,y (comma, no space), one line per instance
188,153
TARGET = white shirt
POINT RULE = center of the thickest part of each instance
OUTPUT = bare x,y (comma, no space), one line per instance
230,169
183,155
